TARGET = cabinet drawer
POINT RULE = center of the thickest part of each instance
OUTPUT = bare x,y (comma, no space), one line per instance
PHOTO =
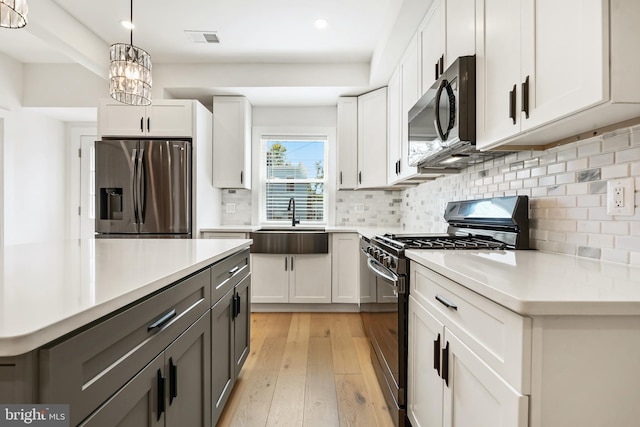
227,273
87,368
499,336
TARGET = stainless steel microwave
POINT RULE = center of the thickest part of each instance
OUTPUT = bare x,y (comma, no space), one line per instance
442,124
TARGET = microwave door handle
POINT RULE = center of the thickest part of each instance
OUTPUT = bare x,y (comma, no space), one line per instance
141,186
134,193
444,85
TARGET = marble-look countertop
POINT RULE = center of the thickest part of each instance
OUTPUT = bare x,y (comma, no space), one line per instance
362,230
540,283
50,289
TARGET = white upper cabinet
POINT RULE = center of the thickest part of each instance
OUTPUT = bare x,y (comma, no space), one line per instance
549,70
347,143
432,44
372,139
163,118
231,142
394,138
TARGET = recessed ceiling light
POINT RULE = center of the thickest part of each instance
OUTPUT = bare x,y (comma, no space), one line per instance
321,24
127,24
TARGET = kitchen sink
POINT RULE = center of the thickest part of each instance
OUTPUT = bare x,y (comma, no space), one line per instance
290,240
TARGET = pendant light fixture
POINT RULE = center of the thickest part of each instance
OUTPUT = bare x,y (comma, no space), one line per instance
13,13
130,72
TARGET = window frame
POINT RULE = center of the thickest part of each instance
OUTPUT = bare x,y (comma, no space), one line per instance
262,179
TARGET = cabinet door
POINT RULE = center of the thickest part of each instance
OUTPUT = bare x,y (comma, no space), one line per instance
231,142
345,254
432,44
242,324
565,55
475,394
497,70
372,139
188,370
347,143
310,279
170,118
222,235
270,276
223,372
136,404
424,394
410,95
460,29
117,119
394,112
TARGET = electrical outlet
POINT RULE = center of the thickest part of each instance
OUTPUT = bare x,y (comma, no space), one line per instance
231,207
359,207
621,196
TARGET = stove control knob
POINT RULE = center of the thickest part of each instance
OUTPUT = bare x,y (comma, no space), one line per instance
370,250
386,261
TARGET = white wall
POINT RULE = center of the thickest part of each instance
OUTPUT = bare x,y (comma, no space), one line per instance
33,165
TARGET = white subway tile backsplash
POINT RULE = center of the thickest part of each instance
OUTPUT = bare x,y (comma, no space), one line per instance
566,186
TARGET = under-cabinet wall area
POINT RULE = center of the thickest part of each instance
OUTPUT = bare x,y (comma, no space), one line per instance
567,188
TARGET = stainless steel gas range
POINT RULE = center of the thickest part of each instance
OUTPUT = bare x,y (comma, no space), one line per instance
488,224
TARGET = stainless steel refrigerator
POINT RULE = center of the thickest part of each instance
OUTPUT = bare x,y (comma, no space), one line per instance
143,188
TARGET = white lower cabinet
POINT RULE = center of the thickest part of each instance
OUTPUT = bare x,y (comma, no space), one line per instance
469,358
291,278
345,256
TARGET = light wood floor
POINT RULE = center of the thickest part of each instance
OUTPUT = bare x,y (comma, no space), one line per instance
307,369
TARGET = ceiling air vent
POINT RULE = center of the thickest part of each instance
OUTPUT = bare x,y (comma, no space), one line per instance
202,36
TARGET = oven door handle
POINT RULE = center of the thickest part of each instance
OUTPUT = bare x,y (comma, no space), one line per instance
381,270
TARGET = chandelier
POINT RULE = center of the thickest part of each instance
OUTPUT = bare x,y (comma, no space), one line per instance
130,72
13,13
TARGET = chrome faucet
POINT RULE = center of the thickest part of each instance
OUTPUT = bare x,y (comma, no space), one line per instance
294,221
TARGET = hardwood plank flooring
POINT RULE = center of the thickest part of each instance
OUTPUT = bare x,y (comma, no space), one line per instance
307,370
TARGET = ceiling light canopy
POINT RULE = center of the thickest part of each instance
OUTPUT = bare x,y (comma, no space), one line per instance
13,13
130,72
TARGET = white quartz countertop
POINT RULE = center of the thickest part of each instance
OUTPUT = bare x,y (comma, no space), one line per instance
366,231
50,289
539,283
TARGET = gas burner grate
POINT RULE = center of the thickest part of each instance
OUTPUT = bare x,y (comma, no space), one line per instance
451,242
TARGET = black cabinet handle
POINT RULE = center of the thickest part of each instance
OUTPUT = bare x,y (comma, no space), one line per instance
441,62
340,177
173,381
286,260
359,177
234,306
291,263
148,124
512,104
241,177
525,97
436,354
399,166
161,384
437,69
162,321
445,364
442,300
141,124
238,305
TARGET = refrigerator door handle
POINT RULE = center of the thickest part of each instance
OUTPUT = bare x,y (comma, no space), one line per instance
134,156
141,187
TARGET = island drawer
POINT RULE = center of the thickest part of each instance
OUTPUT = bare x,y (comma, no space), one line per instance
499,336
227,273
85,369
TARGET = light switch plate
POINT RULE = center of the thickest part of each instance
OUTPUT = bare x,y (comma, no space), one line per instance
231,207
359,207
621,196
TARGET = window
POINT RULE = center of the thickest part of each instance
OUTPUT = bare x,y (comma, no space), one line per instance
293,167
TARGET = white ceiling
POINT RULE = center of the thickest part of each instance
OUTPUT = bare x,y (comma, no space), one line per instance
250,31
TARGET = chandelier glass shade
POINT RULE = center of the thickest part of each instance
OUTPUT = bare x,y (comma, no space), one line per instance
13,13
130,72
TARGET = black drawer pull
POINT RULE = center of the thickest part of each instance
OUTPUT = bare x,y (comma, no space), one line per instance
161,383
173,381
162,321
445,364
238,305
446,302
512,104
234,270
